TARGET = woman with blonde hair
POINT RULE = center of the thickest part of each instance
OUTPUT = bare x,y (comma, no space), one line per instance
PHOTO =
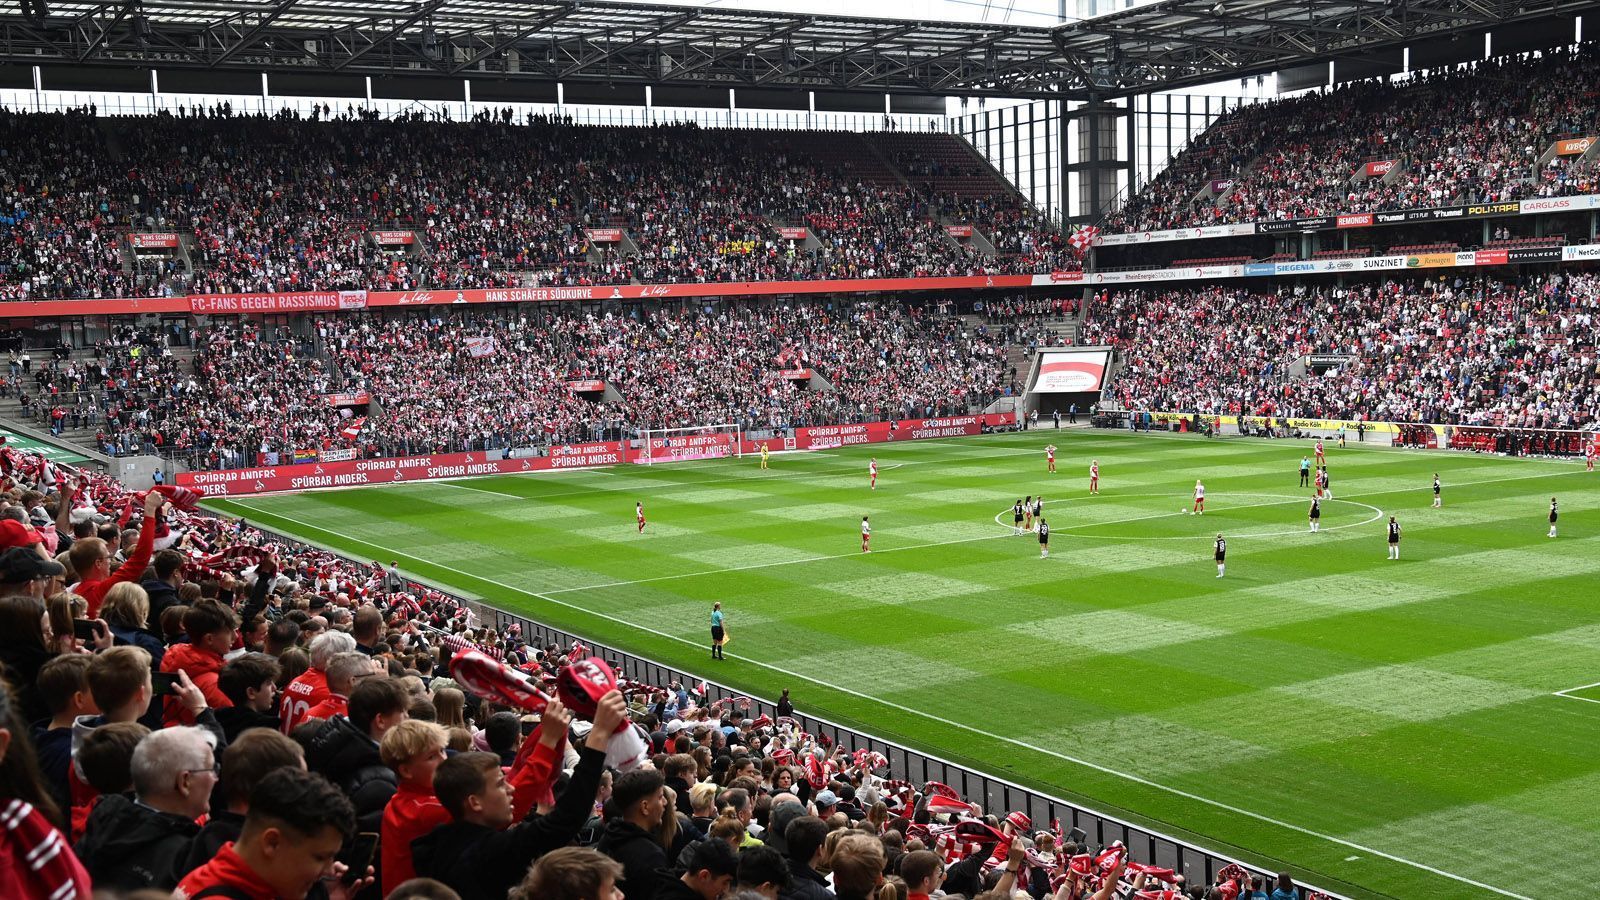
703,801
450,704
728,828
667,831
61,616
835,835
878,817
127,611
293,662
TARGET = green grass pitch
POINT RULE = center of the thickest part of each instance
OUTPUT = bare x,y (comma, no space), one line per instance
1383,728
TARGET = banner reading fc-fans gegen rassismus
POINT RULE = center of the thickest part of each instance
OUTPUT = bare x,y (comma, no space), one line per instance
328,473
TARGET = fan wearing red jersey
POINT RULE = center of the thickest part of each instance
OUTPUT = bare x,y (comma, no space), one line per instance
310,687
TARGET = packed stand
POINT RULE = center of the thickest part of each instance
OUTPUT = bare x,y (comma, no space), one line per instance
1449,350
1454,137
60,224
482,379
222,714
883,360
242,394
282,203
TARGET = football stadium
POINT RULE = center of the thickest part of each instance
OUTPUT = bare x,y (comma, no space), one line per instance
735,450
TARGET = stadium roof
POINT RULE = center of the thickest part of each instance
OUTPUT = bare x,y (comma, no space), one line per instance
1151,47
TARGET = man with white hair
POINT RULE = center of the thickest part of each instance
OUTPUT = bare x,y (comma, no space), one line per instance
343,671
310,687
136,844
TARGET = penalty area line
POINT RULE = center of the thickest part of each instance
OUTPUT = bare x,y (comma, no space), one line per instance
932,717
1567,693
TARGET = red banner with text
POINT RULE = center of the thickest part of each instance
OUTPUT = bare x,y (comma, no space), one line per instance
334,301
355,473
153,240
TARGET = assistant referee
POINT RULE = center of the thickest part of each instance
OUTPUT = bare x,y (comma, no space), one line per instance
717,634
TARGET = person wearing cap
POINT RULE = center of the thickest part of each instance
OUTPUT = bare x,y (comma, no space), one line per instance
1016,824
16,533
782,813
23,571
825,801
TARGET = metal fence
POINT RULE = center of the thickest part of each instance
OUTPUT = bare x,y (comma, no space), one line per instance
996,795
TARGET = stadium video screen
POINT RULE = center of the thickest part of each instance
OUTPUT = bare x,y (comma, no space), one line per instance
1072,371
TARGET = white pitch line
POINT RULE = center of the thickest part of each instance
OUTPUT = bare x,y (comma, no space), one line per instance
1566,694
1105,770
468,487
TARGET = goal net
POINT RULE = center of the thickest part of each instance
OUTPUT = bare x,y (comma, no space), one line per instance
695,442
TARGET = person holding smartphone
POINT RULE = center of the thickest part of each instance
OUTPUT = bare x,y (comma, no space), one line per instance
290,842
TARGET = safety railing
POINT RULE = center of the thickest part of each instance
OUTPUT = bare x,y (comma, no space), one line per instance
996,795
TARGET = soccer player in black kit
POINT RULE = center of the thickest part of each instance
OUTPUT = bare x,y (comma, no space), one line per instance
1221,554
1044,538
1016,517
1316,513
1394,538
1553,517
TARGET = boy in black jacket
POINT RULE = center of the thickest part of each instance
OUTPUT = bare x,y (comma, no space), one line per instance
481,854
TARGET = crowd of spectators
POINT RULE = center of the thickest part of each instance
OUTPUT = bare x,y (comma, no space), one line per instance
1470,135
189,708
1445,350
285,203
248,396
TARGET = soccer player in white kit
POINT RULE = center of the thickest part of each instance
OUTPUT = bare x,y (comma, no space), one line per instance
872,470
866,535
1199,498
1094,476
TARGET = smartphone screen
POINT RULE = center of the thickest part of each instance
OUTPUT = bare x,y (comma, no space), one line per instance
83,629
161,683
357,854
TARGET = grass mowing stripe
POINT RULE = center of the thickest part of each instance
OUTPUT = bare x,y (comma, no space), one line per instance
944,630
1105,770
